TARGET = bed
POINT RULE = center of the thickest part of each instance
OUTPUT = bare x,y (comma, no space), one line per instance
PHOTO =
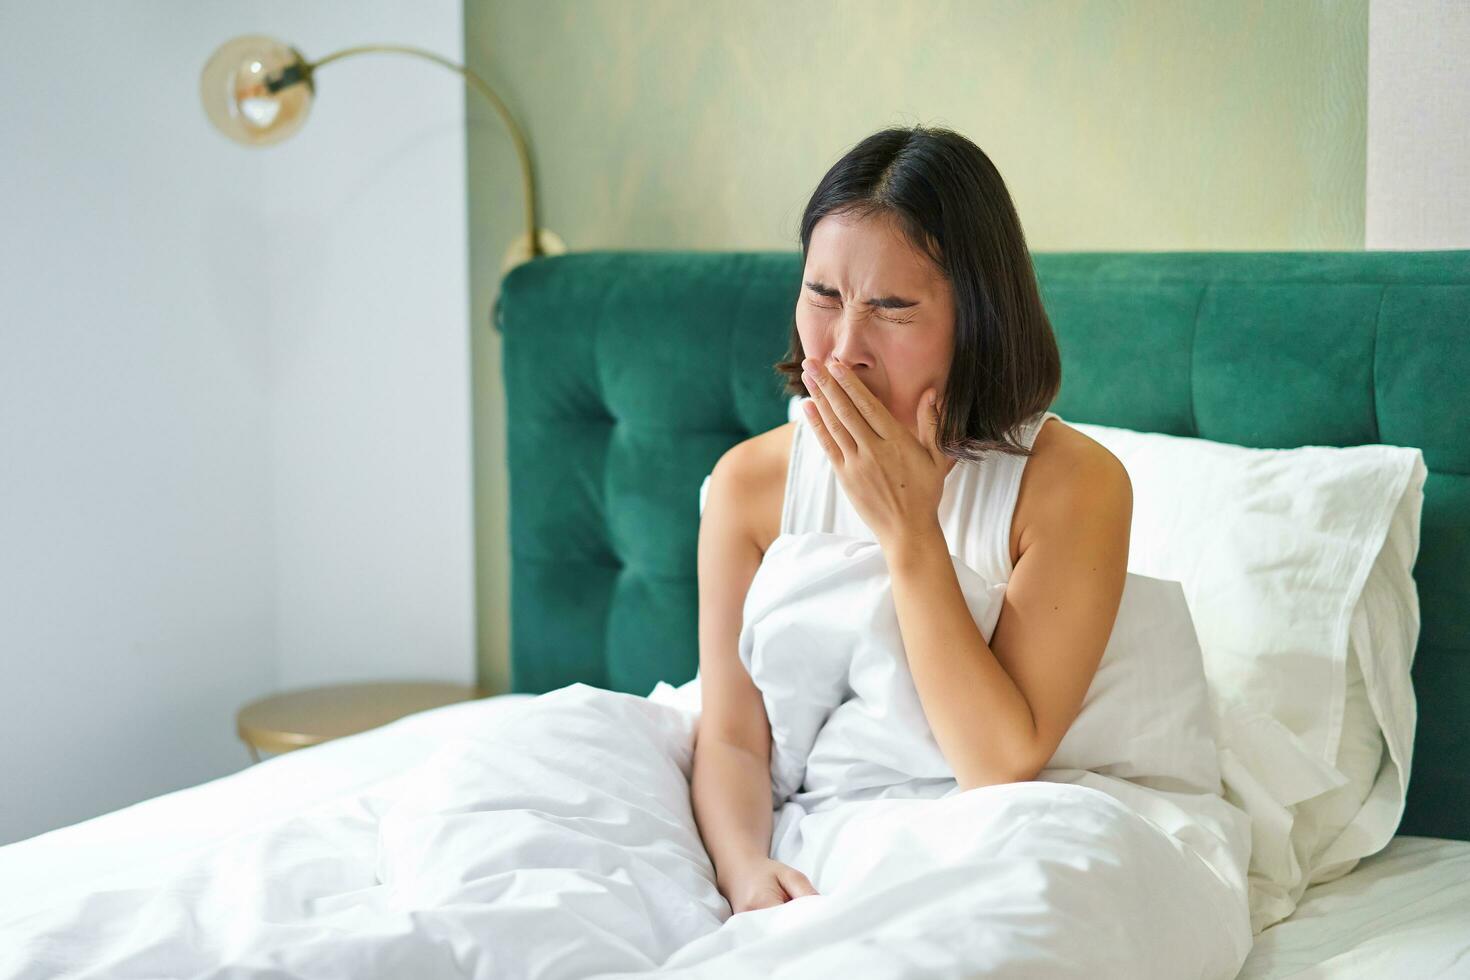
662,361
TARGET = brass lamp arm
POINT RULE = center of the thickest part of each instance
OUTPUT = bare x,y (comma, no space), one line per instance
477,83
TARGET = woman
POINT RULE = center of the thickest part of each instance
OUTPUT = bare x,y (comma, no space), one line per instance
916,283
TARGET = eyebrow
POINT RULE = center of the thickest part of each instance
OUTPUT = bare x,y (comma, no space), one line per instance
885,302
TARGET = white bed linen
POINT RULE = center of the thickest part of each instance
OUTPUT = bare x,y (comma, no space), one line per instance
143,839
557,841
1404,912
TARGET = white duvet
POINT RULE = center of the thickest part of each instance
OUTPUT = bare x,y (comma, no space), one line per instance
557,840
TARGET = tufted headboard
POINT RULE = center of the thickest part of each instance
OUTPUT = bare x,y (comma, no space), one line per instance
627,374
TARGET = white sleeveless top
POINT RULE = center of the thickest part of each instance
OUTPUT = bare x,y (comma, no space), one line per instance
975,511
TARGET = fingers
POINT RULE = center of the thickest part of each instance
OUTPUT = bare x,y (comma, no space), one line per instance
838,406
779,884
837,433
849,387
766,898
796,884
819,430
928,423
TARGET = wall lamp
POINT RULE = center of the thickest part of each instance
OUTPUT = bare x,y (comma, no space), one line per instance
257,91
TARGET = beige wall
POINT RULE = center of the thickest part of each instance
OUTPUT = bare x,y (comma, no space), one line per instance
1146,125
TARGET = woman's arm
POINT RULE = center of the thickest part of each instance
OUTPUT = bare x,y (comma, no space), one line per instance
999,710
731,785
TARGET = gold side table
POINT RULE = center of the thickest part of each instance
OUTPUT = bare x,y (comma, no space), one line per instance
296,719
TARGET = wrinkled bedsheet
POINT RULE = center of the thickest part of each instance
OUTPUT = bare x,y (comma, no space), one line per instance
558,841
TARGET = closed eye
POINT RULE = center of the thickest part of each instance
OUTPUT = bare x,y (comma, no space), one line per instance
882,302
824,306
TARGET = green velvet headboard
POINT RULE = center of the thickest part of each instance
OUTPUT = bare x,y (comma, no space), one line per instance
627,374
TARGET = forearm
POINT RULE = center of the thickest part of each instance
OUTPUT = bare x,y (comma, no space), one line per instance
730,791
979,717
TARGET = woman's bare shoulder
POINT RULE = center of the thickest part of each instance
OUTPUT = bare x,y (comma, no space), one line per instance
1068,450
1067,468
757,476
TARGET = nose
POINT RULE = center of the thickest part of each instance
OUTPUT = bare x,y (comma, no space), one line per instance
850,342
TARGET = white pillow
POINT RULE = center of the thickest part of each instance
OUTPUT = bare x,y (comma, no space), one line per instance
1146,716
1361,819
1307,615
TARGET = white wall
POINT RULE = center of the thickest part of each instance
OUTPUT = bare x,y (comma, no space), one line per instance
234,405
1418,124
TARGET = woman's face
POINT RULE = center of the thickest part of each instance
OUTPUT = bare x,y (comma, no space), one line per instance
872,301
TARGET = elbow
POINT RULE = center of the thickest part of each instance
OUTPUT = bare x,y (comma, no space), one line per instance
1024,770
1030,768
1026,774
998,777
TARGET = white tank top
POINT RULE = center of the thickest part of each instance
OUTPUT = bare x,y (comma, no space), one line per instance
975,510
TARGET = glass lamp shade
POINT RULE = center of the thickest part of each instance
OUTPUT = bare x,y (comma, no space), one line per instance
236,84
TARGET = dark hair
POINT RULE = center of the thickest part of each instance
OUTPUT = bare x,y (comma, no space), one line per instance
951,203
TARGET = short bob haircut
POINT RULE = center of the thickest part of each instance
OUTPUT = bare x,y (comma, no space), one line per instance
953,206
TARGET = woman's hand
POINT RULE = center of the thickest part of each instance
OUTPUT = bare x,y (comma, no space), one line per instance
895,481
761,884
